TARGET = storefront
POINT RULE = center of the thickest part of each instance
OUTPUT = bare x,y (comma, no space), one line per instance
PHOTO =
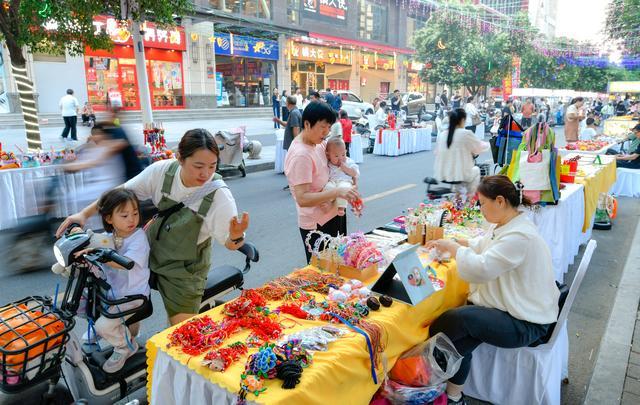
377,75
315,67
245,70
416,83
115,71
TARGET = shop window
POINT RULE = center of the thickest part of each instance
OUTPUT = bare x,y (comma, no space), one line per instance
166,84
246,82
373,21
293,11
248,8
103,76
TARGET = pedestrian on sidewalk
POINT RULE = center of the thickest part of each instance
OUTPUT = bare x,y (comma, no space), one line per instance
299,99
329,97
307,170
337,101
69,108
283,105
275,100
293,125
472,115
572,119
528,109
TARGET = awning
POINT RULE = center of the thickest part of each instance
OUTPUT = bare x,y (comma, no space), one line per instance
360,44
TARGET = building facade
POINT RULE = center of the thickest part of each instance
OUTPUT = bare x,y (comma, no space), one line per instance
236,53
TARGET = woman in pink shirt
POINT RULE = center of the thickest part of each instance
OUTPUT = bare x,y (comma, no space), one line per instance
307,172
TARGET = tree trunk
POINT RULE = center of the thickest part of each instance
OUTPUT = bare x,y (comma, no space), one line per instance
27,101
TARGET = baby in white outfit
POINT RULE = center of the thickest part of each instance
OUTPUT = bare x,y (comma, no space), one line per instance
343,172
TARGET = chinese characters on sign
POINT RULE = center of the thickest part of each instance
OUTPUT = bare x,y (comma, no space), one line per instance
330,10
321,54
377,61
154,37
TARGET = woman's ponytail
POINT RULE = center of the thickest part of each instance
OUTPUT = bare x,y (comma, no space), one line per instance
455,117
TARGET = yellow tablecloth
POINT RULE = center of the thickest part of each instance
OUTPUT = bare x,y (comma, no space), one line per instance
342,374
599,179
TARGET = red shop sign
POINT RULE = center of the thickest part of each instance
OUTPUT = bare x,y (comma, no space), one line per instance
154,37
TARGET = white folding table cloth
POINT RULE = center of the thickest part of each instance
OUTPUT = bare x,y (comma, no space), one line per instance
395,142
561,227
24,189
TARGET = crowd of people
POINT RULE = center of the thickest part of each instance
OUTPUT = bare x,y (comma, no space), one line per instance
513,297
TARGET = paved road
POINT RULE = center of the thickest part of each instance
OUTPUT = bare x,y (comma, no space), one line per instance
274,230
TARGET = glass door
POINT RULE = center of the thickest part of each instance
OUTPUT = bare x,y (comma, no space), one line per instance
129,86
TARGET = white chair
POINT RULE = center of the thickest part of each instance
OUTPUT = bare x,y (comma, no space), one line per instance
627,183
528,375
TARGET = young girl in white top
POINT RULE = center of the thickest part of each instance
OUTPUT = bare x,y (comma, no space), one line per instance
511,281
343,171
119,209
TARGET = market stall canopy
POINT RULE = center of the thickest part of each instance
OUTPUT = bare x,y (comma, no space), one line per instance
624,87
559,93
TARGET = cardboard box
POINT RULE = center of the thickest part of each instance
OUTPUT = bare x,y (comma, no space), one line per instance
433,233
367,274
416,237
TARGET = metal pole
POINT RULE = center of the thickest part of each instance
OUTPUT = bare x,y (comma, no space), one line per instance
141,71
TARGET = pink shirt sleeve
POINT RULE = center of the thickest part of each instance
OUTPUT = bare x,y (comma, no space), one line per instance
300,170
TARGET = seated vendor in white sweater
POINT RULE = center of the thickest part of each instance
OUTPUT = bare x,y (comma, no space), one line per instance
512,285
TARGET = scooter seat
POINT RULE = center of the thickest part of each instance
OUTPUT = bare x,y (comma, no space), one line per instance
430,180
221,279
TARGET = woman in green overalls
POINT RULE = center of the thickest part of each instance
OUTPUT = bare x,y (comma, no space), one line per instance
194,206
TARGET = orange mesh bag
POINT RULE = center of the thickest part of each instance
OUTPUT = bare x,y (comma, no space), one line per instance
26,333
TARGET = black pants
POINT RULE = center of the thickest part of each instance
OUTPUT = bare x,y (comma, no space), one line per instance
347,144
471,325
285,114
336,225
70,124
526,122
471,128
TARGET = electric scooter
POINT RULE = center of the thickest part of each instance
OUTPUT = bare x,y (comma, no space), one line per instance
80,365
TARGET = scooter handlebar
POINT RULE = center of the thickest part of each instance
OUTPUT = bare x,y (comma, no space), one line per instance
110,255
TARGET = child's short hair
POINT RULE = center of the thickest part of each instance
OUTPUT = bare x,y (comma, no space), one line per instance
111,200
590,121
344,114
335,141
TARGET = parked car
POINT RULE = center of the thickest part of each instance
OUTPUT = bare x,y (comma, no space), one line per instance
353,105
413,103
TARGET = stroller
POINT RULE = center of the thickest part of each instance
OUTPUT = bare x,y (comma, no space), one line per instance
233,144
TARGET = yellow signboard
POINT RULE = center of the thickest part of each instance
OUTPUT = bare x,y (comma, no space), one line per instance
317,53
624,87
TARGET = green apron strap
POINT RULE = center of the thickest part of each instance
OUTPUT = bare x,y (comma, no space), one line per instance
207,201
168,177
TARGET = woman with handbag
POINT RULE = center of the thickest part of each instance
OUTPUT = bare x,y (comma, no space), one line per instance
473,117
456,150
512,292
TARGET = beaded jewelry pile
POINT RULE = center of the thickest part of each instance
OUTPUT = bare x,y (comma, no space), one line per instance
287,358
285,362
353,250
